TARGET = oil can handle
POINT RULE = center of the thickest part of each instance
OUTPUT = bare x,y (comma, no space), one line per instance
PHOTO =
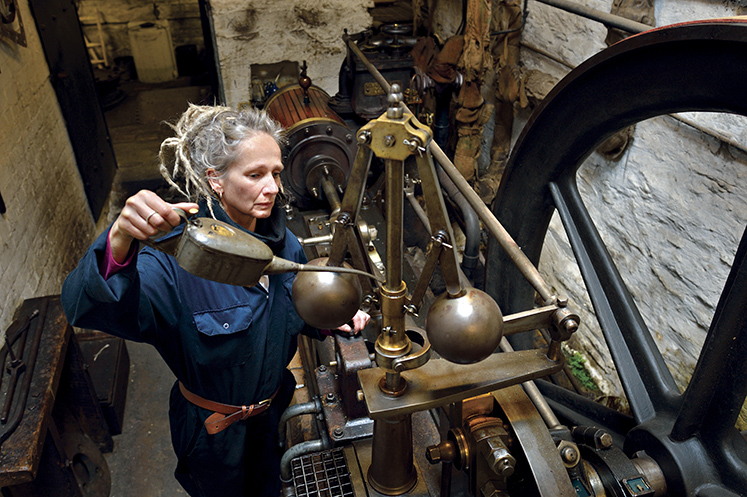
167,246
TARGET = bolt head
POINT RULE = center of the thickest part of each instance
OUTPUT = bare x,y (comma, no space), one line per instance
569,455
433,454
604,441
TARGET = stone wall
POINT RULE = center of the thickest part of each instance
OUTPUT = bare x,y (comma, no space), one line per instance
47,224
259,32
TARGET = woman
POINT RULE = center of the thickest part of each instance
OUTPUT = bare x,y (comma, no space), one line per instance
228,346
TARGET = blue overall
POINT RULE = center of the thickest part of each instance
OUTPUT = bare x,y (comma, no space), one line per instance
228,344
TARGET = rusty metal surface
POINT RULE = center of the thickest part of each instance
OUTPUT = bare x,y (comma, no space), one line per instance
440,382
531,432
340,427
22,451
352,357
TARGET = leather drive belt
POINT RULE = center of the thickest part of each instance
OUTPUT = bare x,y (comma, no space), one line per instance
225,415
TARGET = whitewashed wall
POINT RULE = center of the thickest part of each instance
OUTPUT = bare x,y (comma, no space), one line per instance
47,225
259,32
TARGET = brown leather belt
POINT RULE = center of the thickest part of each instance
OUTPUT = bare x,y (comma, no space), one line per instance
224,414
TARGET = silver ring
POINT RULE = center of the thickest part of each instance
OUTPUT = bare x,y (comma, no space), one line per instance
147,219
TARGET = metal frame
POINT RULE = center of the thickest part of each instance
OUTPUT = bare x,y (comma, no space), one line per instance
698,66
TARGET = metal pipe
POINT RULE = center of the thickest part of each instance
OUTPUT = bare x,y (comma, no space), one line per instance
300,450
471,223
518,257
508,244
311,407
610,20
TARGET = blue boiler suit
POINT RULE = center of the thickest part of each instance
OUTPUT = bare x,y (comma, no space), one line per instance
228,344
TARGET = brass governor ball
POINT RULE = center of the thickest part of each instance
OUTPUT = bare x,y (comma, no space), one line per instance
326,300
466,328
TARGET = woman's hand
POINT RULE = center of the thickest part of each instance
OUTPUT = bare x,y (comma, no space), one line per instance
360,320
144,215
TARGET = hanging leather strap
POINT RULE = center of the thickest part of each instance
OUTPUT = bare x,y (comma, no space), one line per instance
225,415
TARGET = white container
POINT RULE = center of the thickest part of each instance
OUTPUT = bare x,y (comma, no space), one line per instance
152,51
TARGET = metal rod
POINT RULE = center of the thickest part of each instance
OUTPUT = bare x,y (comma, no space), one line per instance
330,193
534,394
610,20
419,211
395,183
521,261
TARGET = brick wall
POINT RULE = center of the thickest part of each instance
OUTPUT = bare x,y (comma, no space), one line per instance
47,225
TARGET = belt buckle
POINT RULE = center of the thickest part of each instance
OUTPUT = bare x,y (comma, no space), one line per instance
264,403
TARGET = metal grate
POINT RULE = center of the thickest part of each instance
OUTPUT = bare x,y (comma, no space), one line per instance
322,474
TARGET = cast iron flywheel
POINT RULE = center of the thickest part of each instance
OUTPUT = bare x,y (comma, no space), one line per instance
700,66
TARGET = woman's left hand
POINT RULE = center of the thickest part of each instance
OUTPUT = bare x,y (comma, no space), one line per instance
360,320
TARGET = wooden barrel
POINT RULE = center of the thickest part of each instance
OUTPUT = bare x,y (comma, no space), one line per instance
288,108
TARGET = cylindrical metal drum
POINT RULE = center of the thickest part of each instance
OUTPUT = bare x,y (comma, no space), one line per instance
320,143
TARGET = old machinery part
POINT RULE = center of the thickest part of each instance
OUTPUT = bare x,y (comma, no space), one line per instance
391,396
514,252
308,447
324,473
691,435
344,413
389,52
619,475
326,300
532,436
321,147
312,407
465,328
392,471
24,363
87,463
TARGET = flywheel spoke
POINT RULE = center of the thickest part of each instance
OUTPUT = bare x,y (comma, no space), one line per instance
647,381
718,386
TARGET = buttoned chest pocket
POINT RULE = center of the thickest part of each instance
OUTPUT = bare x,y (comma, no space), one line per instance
224,321
225,338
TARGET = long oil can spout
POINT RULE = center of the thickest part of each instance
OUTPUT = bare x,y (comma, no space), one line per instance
217,251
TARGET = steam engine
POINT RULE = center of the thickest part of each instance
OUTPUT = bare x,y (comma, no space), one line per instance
432,398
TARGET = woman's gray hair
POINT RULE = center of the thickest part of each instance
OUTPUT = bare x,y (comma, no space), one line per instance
209,137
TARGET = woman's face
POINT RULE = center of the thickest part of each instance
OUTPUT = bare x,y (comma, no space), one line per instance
249,187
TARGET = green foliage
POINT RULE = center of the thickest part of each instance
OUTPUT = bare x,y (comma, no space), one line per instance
576,362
